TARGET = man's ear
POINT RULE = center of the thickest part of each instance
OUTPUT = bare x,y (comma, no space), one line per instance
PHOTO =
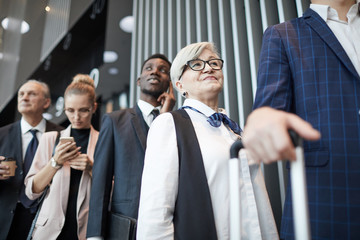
138,82
47,103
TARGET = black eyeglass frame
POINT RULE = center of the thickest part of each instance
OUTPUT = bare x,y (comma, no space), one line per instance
205,62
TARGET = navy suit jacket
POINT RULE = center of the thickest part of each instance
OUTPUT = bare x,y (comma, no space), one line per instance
119,155
304,70
11,146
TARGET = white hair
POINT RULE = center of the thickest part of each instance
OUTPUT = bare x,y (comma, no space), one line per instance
189,52
45,87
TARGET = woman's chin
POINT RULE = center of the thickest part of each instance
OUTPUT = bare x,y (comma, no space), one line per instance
79,126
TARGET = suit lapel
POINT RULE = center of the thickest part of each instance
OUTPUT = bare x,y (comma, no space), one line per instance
48,126
15,137
322,29
139,125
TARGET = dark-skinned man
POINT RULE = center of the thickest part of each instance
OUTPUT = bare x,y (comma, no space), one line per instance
121,148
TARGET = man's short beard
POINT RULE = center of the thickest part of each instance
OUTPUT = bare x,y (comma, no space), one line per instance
155,94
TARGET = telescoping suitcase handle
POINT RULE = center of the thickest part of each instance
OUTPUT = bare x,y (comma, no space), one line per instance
298,191
298,185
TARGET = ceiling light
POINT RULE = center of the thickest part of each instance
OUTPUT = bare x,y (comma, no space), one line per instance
123,103
110,56
127,24
24,25
48,116
5,23
47,8
113,71
59,106
1,55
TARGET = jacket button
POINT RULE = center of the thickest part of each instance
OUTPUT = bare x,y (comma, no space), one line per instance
21,172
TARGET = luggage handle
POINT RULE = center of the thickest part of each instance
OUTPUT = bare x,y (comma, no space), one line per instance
299,191
298,182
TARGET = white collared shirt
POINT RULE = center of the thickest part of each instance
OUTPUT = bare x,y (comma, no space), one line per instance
161,178
348,33
146,109
26,134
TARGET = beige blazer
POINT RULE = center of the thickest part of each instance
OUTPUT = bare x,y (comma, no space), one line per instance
52,214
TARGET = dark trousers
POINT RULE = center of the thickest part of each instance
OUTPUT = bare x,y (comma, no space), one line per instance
21,223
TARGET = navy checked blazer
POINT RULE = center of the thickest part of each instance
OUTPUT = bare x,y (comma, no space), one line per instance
303,69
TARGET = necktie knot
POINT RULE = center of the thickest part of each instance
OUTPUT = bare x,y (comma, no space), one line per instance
33,132
216,119
155,112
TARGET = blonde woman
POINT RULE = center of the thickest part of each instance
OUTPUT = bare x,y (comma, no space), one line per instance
64,212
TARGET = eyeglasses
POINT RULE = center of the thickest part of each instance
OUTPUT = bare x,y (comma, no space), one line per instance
83,112
198,64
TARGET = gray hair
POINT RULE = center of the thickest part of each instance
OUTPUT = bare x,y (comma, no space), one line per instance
189,52
45,87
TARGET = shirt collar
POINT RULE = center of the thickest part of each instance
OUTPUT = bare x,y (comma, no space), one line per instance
326,12
354,11
25,126
146,108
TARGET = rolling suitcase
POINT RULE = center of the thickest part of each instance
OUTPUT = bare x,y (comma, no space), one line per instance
298,182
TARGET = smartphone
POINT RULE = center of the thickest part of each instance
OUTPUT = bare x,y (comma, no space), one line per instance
66,139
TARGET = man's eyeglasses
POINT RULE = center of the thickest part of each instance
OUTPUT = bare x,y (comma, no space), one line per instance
82,111
198,65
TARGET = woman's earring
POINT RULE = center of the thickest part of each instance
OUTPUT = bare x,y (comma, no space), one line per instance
184,94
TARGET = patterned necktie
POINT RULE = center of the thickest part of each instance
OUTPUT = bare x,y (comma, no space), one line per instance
216,119
155,112
29,155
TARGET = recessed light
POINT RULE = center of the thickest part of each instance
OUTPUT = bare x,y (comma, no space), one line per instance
5,23
24,25
110,56
113,71
127,24
48,116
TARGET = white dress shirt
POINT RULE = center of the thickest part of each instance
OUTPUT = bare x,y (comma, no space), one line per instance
160,180
348,33
26,134
146,109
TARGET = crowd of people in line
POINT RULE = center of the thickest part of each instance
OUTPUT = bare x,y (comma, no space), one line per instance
153,172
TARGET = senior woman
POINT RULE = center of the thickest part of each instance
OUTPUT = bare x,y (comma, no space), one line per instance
185,185
64,212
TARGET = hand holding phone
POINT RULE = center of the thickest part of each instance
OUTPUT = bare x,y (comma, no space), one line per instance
64,140
167,99
66,150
